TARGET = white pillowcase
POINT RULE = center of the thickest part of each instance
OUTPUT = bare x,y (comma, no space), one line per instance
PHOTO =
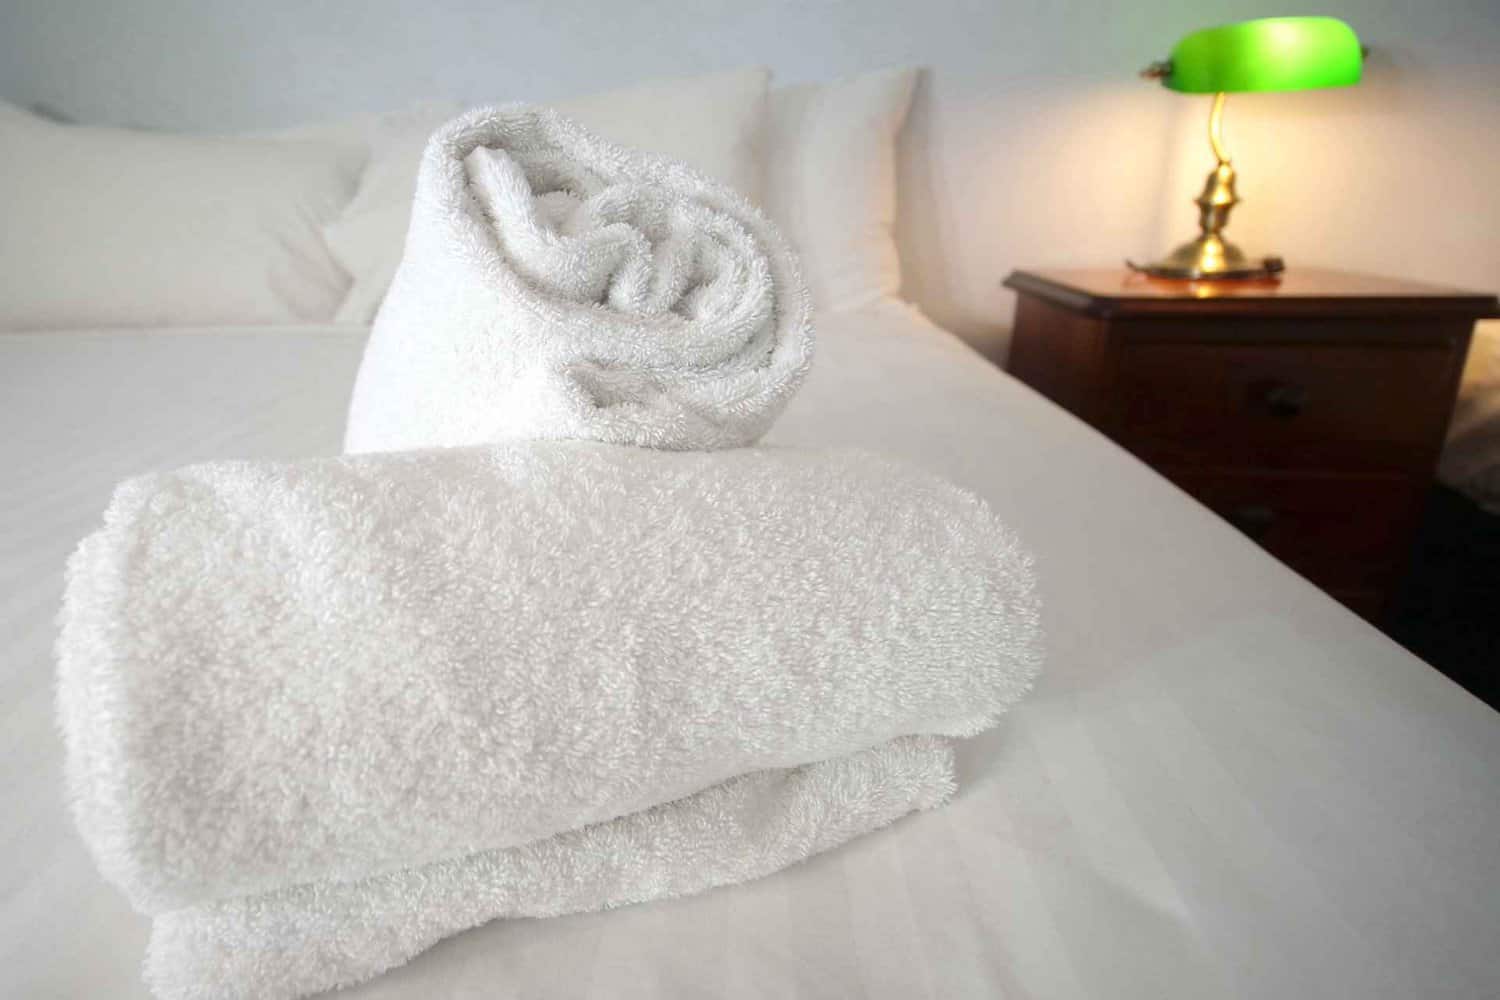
831,182
117,227
714,123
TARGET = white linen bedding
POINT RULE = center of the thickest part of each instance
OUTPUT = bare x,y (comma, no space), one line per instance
1471,458
1224,783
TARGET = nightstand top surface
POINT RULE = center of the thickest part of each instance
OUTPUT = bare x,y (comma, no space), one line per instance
1298,291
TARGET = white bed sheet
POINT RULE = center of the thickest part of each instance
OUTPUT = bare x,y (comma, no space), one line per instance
1224,784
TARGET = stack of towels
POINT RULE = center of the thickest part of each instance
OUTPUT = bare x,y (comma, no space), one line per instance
553,636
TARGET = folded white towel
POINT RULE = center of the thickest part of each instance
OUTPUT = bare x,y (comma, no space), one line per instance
315,937
275,673
556,286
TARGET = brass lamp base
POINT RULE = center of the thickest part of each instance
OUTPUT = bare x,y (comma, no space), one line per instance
1210,256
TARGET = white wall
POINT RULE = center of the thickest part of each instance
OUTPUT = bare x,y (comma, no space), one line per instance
1032,140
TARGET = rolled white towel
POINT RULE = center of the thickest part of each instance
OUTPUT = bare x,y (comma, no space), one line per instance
277,673
556,286
314,937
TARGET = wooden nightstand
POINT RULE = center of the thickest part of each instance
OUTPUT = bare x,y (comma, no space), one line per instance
1309,411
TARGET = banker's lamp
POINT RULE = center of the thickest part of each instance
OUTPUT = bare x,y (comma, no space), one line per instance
1268,54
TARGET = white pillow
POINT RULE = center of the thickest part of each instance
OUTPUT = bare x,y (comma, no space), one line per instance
831,182
117,227
366,239
715,123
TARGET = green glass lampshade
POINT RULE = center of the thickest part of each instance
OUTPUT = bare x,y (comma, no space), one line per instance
1271,53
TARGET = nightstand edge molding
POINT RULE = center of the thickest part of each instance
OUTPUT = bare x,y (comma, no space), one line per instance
1309,293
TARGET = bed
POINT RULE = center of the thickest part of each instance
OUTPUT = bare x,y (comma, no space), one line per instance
1224,785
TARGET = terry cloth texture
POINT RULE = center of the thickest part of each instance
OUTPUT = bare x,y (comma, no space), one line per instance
554,285
278,673
315,937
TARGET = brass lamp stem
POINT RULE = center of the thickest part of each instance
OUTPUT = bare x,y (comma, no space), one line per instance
1216,128
1218,197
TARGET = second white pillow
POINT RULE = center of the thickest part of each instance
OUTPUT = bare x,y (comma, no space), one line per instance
831,182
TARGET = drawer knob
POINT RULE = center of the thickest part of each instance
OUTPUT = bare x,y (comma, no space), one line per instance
1254,520
1283,400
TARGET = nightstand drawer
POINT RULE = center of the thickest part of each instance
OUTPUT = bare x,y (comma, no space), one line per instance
1283,406
1342,532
